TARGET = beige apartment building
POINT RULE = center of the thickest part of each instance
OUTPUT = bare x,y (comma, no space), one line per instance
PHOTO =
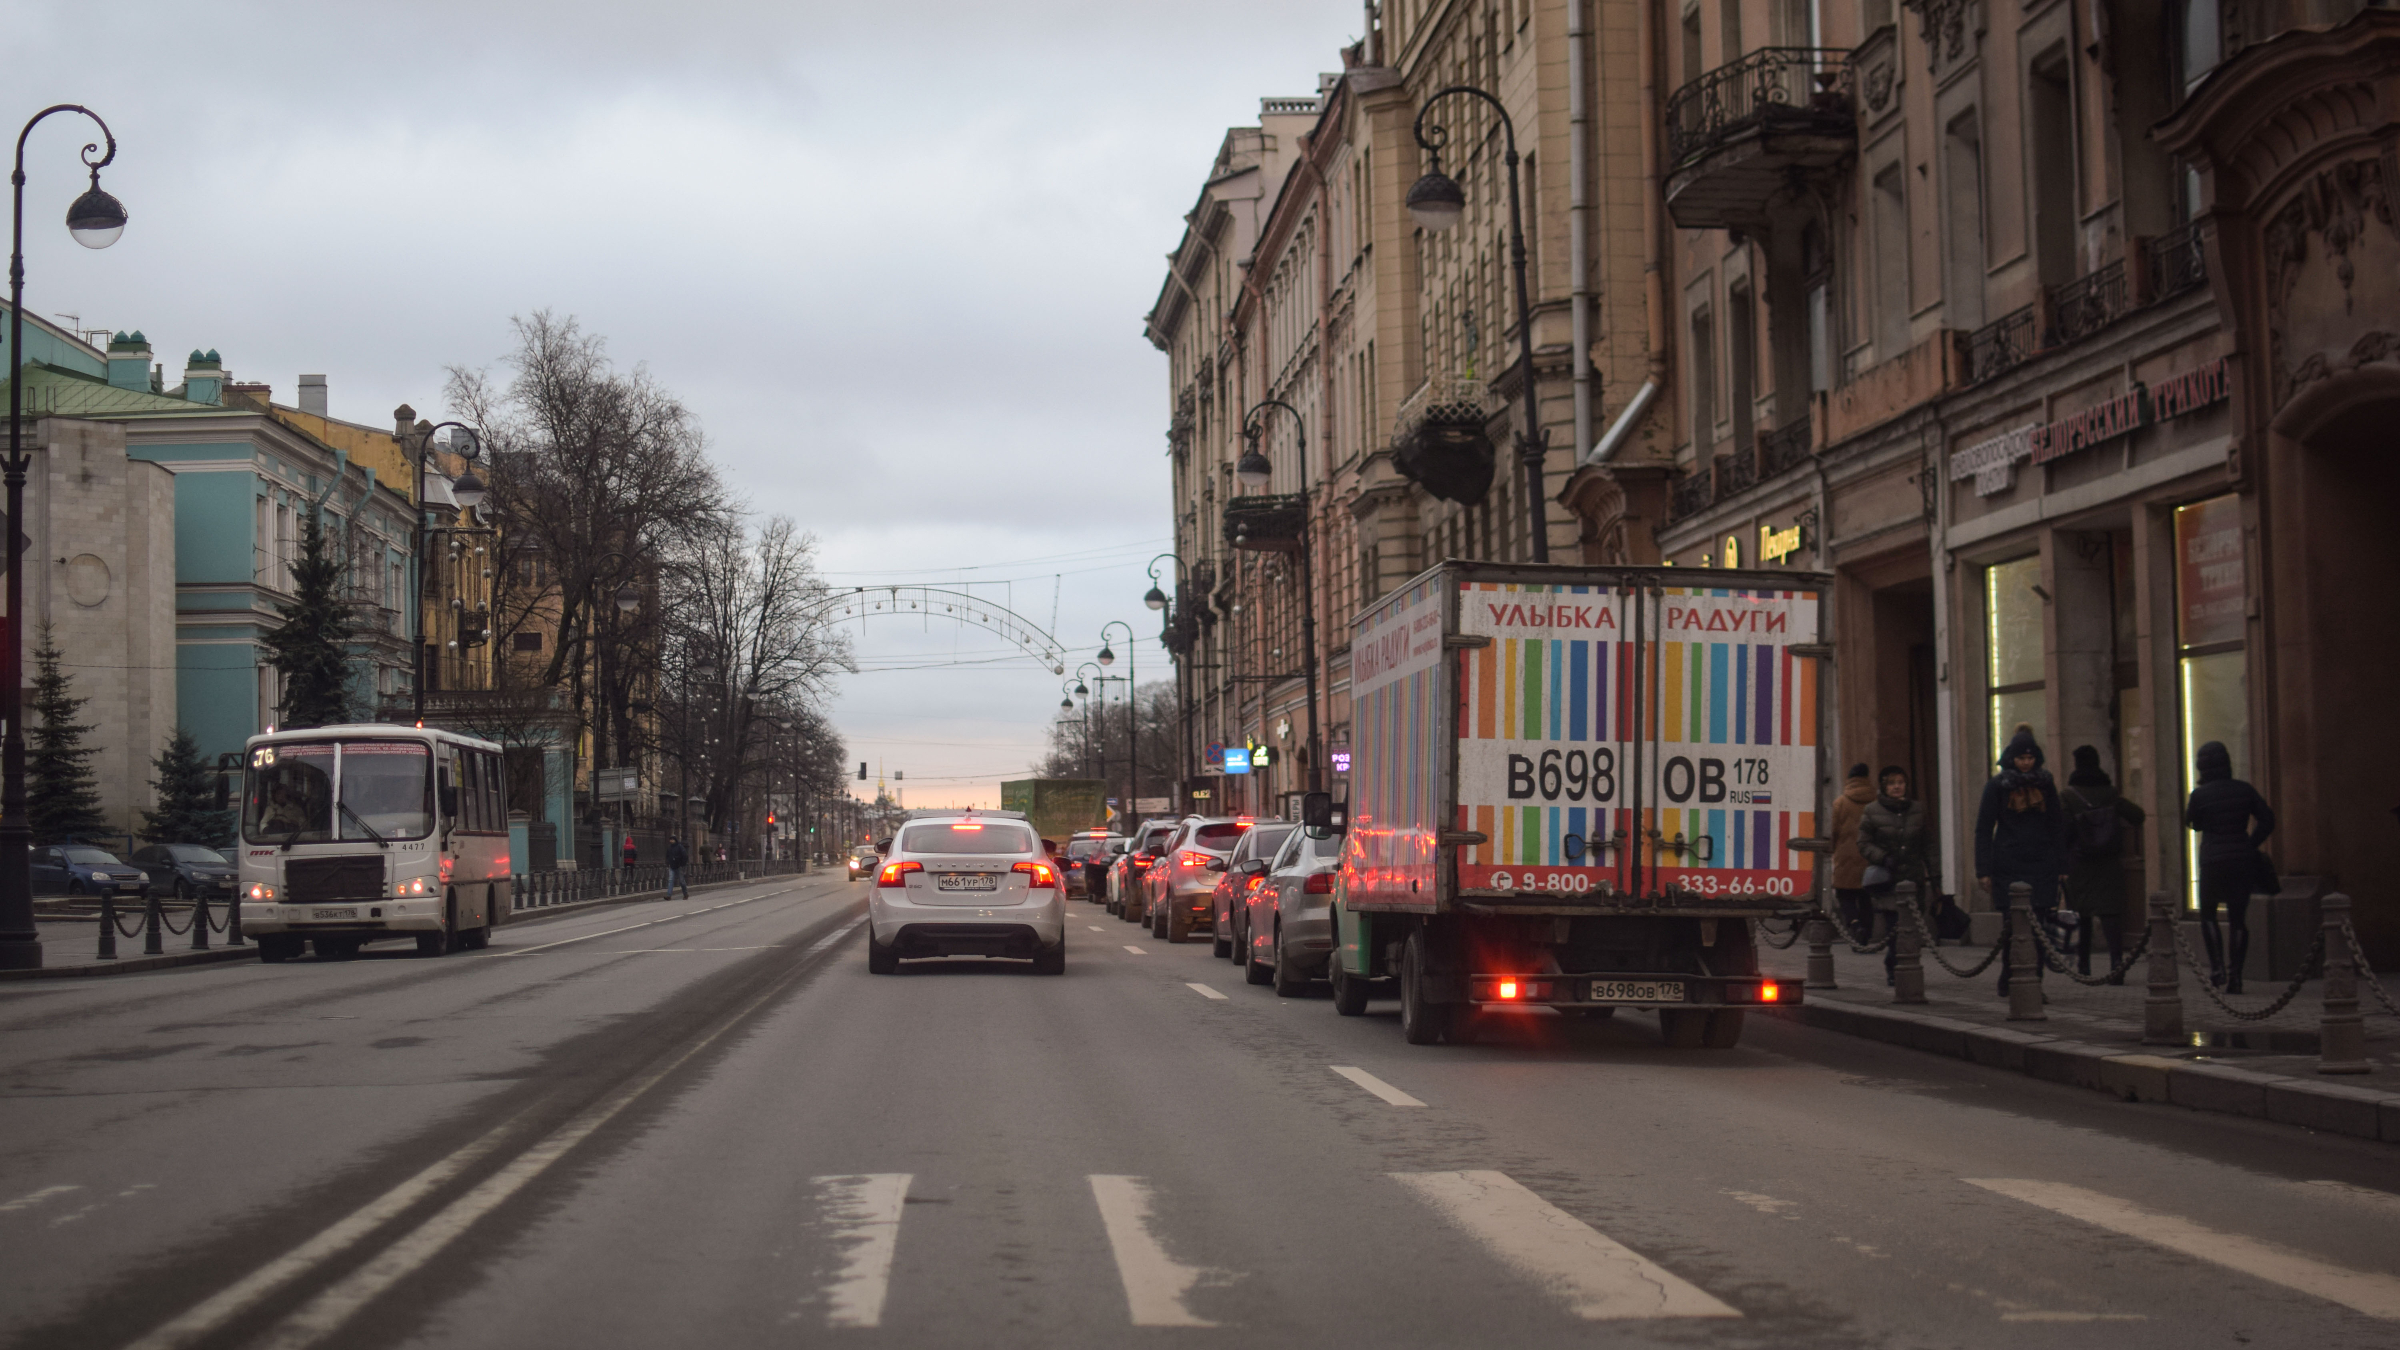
2055,331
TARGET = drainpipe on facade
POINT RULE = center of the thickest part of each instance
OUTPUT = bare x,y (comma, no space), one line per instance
1654,275
1579,222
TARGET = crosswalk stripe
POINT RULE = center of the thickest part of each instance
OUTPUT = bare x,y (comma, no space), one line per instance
1156,1284
1600,1279
1375,1085
1203,990
2364,1291
862,1212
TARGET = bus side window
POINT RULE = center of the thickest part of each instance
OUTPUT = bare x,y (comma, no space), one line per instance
470,807
478,785
446,774
495,788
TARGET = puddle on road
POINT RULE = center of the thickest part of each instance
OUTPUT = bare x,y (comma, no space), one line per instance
2257,1042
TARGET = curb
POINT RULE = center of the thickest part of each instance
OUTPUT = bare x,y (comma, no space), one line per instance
2361,1113
134,965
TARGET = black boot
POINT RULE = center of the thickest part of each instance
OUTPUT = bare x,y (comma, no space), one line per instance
2233,964
2214,941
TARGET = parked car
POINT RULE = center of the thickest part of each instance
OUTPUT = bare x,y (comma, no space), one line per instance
973,883
1127,896
80,869
187,871
1180,882
1230,898
1288,930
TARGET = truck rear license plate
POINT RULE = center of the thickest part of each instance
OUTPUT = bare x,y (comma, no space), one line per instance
1636,991
966,881
333,914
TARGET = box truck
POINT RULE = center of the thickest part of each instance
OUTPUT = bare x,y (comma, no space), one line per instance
1575,787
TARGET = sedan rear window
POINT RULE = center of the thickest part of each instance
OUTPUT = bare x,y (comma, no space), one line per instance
1265,839
967,837
1219,837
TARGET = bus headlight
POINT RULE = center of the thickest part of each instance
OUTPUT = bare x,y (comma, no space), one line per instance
262,893
408,888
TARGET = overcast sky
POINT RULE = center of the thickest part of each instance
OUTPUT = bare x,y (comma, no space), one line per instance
895,255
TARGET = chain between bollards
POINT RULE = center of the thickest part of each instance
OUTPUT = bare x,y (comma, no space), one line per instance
2341,1031
2024,968
2162,1007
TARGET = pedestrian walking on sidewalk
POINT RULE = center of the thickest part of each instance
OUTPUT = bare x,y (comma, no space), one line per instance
2021,835
1891,837
2100,820
677,859
2232,821
632,854
1849,865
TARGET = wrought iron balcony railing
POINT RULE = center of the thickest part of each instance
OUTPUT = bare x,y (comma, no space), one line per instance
2178,261
2087,304
1785,449
2002,345
1773,88
1694,493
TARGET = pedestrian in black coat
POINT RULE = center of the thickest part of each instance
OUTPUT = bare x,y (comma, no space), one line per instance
2232,820
1892,839
2100,821
2021,835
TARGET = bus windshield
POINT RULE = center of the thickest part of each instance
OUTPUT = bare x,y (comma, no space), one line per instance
385,790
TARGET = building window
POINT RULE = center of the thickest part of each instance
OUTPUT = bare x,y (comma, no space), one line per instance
2015,652
2050,124
1703,365
2193,42
1891,264
529,642
2212,602
1962,170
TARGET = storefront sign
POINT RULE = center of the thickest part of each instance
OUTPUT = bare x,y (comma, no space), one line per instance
1237,760
1200,794
1340,755
2211,595
1992,464
1777,545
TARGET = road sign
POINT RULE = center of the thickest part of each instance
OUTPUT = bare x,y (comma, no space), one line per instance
1212,760
1150,806
1237,759
620,785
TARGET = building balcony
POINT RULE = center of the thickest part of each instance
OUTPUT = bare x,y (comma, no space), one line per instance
1737,135
2087,304
2177,261
1443,442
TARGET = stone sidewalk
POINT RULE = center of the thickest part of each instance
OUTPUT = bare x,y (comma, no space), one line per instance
2092,1036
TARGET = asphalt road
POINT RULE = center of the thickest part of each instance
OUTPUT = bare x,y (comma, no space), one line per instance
717,1129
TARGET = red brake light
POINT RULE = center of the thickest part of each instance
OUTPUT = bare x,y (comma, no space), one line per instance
895,874
1505,989
964,826
1044,876
1141,864
1318,883
1245,822
1193,857
1770,992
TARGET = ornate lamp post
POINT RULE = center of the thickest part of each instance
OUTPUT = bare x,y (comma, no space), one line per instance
1157,599
1436,203
95,220
628,598
470,492
1133,760
1256,472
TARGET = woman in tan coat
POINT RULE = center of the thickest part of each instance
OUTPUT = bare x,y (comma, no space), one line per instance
1850,865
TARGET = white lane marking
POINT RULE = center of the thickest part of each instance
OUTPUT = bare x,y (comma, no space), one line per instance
652,923
863,1214
2376,1295
1135,950
35,1198
1155,1283
1375,1085
2383,1200
1203,990
650,951
2073,1317
212,1314
1600,1280
1764,1204
834,938
1095,928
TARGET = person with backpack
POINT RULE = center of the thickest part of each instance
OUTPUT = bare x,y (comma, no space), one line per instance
1891,837
2101,820
678,858
2232,821
2021,835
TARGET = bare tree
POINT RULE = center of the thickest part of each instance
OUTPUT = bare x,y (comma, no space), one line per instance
1098,751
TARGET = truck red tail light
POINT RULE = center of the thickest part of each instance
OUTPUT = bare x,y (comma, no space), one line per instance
1770,992
896,874
1318,883
1506,989
1044,876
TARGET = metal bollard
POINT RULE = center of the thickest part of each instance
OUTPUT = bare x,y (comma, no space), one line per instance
108,927
2162,1010
200,923
2341,1032
1820,952
152,945
233,920
1908,937
2024,977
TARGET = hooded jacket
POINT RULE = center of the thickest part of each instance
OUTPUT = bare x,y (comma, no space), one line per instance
2230,817
2096,881
2021,829
1891,834
1849,865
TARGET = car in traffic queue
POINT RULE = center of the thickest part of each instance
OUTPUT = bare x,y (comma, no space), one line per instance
966,883
1126,895
187,871
81,869
863,861
1288,927
1235,880
1180,882
1086,861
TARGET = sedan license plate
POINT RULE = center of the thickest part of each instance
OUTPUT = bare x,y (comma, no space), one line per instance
966,881
333,914
1636,991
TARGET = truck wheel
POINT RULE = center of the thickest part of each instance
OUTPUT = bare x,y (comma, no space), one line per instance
881,960
1290,982
1724,1029
278,948
1349,991
1422,1021
1683,1028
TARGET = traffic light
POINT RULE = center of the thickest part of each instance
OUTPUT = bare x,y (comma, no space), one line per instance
770,817
862,771
899,774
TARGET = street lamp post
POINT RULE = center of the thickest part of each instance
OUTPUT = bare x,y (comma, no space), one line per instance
1133,752
1157,599
94,220
1436,202
470,493
628,598
1256,471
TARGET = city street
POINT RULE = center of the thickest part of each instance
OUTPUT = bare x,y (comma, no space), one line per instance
704,1122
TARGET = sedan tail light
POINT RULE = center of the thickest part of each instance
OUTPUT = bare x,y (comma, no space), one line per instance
896,874
1192,857
1318,883
1045,877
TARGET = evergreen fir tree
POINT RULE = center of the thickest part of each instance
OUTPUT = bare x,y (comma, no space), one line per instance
310,650
63,794
187,798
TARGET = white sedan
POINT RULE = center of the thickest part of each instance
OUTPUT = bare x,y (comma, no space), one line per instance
968,883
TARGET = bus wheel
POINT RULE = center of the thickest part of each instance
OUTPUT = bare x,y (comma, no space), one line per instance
435,944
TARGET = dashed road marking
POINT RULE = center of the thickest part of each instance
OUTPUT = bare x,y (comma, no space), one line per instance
1095,928
834,938
2376,1295
2073,1317
862,1214
1156,1284
1375,1085
650,923
1203,990
1135,950
1600,1279
37,1197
